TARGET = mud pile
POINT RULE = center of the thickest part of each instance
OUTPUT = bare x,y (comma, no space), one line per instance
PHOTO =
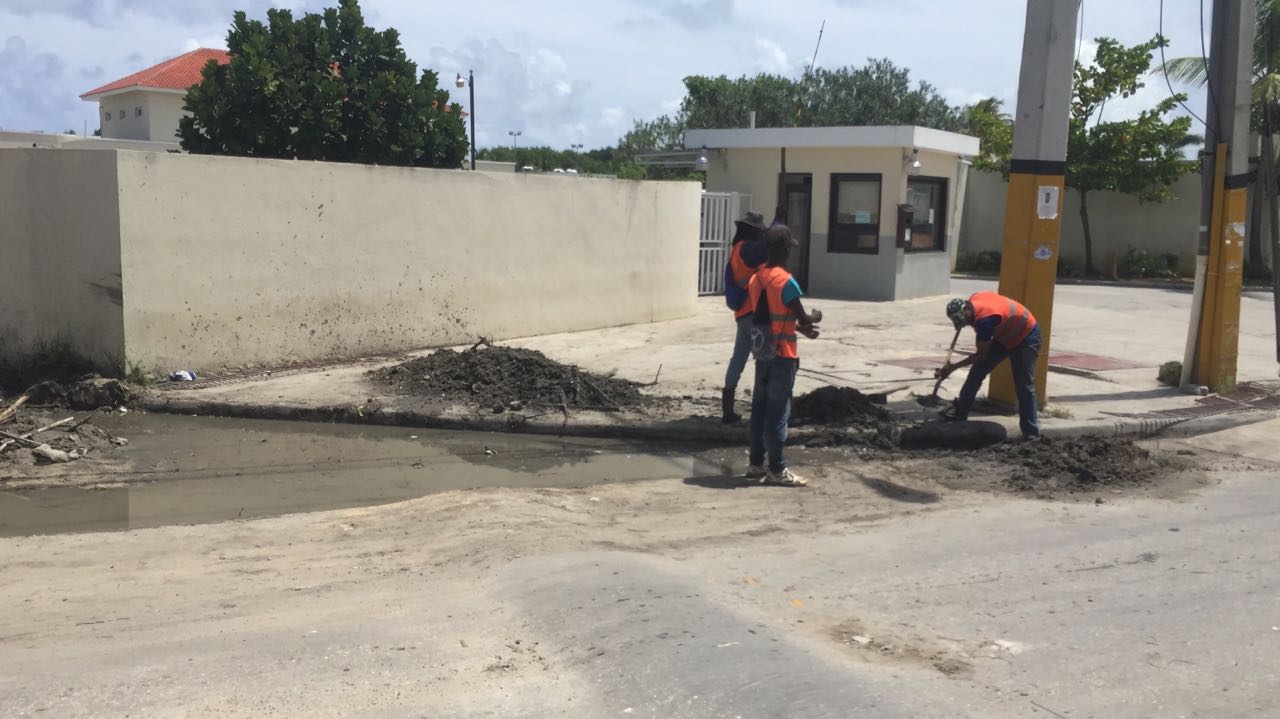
88,392
836,405
79,438
508,378
1077,465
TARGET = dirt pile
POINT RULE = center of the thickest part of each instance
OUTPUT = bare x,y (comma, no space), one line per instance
508,378
836,405
75,439
1078,465
89,392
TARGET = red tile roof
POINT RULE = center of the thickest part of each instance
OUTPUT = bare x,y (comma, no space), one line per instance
179,73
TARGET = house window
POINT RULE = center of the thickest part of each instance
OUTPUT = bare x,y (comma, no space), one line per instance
122,114
855,214
928,197
106,117
137,112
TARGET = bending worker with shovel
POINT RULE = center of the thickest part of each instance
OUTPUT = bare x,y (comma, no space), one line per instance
1004,328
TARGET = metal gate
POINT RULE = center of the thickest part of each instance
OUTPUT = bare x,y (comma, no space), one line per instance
719,210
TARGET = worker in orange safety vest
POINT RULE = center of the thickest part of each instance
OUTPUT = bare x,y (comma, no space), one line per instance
1005,329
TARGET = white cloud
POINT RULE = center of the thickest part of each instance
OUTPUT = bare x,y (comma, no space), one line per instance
771,58
211,41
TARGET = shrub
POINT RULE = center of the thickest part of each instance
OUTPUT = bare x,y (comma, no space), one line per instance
978,263
1170,373
1140,264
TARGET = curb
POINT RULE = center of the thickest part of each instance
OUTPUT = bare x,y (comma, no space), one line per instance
679,430
1149,428
1156,285
689,429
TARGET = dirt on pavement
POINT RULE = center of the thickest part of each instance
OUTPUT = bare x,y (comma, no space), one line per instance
1082,464
508,378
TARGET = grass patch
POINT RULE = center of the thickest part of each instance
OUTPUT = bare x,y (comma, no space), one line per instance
1057,412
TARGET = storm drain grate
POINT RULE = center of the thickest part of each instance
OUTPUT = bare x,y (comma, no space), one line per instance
265,373
1246,397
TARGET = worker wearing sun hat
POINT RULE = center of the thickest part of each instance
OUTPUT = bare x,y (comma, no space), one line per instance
1005,328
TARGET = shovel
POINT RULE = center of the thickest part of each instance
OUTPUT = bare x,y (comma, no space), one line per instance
932,400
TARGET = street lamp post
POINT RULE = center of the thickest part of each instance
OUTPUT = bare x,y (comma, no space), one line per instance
470,82
515,134
577,150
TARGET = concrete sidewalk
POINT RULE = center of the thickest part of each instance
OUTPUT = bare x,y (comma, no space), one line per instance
1107,344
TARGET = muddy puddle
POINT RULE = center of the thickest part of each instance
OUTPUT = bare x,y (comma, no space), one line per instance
193,470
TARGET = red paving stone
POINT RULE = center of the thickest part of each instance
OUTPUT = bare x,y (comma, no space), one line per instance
1072,360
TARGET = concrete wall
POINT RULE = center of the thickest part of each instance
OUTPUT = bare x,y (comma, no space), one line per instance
232,261
60,244
191,261
1117,221
41,139
891,273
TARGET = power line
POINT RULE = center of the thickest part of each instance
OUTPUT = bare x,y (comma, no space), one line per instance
1208,79
1164,69
1080,41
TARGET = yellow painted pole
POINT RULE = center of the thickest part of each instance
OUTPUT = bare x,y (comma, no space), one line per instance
1029,262
1220,318
1037,171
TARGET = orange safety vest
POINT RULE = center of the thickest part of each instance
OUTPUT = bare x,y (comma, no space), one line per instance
1016,321
782,321
742,275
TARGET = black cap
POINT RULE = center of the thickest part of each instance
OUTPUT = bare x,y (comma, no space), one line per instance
780,236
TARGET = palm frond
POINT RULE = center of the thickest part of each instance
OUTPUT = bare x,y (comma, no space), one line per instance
1185,70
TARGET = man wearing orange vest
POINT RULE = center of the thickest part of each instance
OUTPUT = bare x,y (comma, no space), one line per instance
777,316
745,257
1005,328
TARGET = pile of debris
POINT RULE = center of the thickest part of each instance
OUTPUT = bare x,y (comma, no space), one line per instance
27,436
508,379
1080,464
837,405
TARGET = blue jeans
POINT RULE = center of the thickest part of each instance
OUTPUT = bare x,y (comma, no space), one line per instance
770,410
1022,359
741,353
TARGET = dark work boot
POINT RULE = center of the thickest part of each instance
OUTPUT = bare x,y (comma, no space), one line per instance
726,407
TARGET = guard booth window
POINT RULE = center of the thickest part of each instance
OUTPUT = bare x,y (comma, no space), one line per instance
928,197
855,213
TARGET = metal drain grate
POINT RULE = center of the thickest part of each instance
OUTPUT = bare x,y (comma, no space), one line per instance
262,374
1247,396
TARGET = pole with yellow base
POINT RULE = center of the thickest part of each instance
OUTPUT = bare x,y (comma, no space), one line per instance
1029,260
1219,333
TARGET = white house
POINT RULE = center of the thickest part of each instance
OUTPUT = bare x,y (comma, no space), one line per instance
148,104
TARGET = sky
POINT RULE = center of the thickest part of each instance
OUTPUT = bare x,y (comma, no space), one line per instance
575,71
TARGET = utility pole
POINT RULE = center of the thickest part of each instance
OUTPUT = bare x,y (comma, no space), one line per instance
1037,171
1213,340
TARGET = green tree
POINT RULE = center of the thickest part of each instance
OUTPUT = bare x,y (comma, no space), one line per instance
993,127
1140,157
322,87
878,93
1264,118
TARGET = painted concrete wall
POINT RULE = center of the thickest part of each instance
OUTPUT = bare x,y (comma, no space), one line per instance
60,244
41,139
131,126
164,111
229,261
1117,221
890,274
